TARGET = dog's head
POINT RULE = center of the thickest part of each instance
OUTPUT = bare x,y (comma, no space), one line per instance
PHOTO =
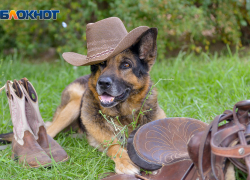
116,79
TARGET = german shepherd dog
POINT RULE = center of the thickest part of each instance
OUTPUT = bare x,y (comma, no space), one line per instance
116,87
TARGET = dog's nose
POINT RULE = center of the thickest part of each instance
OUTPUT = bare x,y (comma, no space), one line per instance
105,82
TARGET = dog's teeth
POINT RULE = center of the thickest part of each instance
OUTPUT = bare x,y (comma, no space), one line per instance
100,98
106,101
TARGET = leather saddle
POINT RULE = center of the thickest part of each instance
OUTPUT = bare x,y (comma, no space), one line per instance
162,144
189,149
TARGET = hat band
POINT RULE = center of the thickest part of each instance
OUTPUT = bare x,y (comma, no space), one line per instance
101,54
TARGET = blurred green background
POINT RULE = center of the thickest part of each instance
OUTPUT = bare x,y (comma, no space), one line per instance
203,87
190,25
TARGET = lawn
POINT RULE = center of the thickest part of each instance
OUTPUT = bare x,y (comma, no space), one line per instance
202,87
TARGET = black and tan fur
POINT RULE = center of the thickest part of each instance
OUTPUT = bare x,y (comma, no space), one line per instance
80,99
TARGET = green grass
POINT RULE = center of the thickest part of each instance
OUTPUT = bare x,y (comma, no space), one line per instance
202,87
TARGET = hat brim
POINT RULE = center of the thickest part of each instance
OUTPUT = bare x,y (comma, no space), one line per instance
81,60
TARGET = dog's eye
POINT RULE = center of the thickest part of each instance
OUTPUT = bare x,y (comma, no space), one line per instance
125,65
103,64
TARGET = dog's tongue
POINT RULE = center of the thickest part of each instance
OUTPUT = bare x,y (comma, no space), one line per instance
106,98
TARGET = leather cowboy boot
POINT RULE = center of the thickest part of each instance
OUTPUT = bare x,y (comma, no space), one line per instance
25,148
48,144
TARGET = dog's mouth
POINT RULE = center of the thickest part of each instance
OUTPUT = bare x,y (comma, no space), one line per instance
108,100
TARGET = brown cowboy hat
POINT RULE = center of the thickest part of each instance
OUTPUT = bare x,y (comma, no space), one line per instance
105,39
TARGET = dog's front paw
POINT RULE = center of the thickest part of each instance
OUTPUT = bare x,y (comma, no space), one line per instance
123,165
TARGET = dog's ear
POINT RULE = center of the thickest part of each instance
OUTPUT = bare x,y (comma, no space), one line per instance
147,48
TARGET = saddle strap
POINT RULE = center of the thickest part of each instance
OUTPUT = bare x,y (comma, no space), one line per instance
213,126
238,151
